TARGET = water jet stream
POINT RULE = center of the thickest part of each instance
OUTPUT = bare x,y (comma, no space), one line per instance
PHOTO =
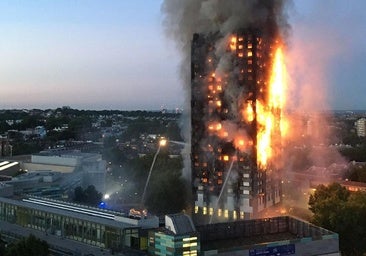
222,189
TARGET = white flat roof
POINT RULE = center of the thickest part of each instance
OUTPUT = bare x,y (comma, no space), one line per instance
7,165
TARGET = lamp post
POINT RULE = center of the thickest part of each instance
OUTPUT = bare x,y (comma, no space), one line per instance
162,143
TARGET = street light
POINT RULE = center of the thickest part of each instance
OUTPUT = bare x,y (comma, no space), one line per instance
162,143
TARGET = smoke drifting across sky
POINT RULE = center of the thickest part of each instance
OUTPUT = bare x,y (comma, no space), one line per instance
306,61
184,18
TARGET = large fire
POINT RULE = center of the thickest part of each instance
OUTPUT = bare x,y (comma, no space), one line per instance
266,110
236,99
269,113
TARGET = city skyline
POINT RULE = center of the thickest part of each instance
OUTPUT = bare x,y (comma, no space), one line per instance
114,55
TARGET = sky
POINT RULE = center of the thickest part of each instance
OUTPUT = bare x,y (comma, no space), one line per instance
112,54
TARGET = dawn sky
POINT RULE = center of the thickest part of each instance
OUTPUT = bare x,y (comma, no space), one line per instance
94,54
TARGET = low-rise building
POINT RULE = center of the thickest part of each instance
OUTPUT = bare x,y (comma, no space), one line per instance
87,225
354,186
89,166
178,237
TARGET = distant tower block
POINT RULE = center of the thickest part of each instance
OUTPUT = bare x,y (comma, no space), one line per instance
360,125
229,75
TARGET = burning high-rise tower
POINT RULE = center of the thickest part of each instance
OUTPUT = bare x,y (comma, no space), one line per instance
234,50
236,123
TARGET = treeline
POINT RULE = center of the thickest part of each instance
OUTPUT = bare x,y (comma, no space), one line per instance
344,212
57,117
66,111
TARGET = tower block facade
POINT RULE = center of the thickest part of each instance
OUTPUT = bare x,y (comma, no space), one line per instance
232,120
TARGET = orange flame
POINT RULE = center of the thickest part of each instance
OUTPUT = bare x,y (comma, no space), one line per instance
269,116
277,81
249,112
233,43
214,126
240,144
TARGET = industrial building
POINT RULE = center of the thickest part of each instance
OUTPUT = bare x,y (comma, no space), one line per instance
230,108
91,226
77,168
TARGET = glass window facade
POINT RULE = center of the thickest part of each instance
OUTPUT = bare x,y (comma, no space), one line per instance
164,243
88,232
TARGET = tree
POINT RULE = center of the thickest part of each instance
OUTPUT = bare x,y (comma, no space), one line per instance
326,204
89,196
93,197
30,246
30,121
336,209
22,148
168,193
79,195
4,126
357,153
351,226
167,190
357,173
